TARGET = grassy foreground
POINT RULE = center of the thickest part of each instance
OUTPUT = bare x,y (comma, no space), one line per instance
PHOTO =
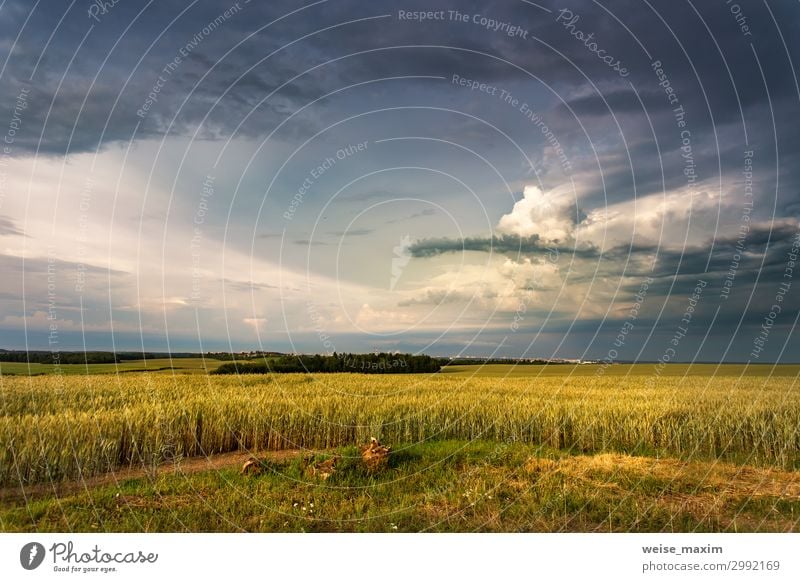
633,452
448,486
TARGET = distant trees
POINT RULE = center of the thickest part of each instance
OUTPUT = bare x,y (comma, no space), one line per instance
248,362
239,356
46,357
380,363
49,357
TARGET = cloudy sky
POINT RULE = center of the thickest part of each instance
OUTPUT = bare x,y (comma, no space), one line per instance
574,179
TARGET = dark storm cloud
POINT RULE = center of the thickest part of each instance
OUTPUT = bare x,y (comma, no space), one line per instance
615,101
716,74
246,286
507,244
420,214
738,90
352,232
762,250
9,228
104,94
761,255
59,115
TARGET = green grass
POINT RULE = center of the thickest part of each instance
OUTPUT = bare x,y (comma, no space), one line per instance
586,370
446,486
686,450
163,365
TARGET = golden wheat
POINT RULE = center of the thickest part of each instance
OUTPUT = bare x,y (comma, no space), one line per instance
70,427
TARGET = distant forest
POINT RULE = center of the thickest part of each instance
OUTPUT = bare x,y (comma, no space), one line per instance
260,362
380,363
48,357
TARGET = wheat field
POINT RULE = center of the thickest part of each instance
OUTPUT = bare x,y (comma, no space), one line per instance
70,427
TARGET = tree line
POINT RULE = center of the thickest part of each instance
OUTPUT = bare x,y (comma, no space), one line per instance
376,363
96,357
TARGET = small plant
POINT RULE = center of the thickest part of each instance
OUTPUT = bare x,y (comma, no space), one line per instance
375,455
252,466
322,468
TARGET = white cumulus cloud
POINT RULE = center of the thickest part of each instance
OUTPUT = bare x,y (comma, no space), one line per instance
550,216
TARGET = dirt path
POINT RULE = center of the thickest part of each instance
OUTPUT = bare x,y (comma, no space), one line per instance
601,470
187,466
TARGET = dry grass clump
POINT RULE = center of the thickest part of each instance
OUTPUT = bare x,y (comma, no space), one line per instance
536,465
323,469
697,477
375,455
252,466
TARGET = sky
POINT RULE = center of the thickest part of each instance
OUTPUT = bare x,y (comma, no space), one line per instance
573,179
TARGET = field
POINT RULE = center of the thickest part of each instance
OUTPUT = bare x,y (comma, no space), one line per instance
176,365
528,448
565,371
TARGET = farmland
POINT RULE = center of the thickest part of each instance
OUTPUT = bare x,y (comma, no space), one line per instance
566,371
556,448
160,365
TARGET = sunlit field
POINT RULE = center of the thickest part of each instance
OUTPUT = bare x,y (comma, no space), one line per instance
595,370
525,448
176,365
